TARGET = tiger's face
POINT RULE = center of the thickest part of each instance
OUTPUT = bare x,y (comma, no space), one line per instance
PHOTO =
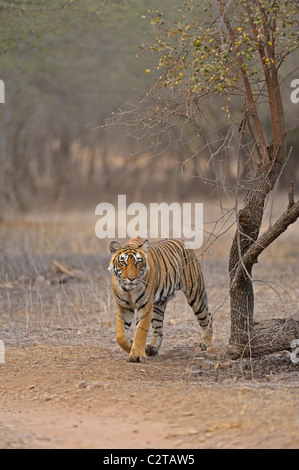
128,264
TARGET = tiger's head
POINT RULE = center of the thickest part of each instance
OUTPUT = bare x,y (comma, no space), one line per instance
129,263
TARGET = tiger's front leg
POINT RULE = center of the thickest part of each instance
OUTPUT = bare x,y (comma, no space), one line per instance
124,318
143,322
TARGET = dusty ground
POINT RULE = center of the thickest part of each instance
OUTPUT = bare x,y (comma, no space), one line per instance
66,384
91,397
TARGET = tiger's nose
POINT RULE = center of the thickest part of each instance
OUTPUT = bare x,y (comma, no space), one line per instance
131,279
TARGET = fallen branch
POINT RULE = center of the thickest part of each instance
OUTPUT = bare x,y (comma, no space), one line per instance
61,268
267,337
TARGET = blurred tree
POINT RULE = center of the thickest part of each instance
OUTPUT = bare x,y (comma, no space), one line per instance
66,65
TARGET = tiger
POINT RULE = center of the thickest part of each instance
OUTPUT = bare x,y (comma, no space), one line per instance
144,276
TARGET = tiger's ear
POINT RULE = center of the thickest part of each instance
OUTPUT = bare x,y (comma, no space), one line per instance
114,246
145,246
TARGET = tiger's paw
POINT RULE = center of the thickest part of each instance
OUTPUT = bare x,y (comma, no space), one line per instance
202,346
137,355
137,358
151,350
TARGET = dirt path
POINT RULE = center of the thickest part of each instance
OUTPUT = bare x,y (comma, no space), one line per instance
90,397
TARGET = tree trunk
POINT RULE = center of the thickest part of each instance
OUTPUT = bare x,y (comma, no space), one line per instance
246,247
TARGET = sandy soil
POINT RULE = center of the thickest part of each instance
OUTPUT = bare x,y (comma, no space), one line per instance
79,396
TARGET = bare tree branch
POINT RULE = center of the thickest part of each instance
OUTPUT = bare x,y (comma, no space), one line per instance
287,218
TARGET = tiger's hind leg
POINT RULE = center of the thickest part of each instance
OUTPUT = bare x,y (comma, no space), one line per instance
157,326
199,306
207,328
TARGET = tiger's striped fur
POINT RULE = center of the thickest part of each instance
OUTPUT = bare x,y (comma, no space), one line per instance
144,277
